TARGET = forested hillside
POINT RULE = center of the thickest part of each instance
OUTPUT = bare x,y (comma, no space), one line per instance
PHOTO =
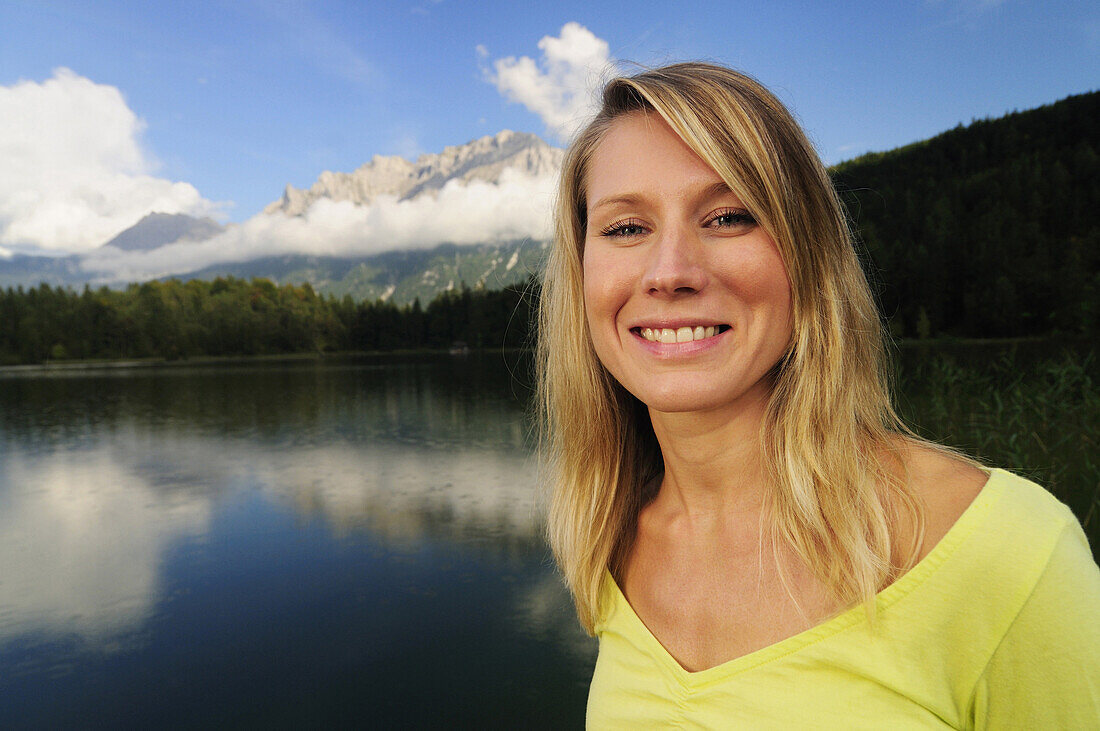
987,230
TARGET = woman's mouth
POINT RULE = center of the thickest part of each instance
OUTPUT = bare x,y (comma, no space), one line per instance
684,334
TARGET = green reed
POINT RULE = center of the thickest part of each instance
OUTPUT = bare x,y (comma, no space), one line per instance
1034,411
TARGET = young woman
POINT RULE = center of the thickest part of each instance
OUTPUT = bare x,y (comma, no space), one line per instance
742,519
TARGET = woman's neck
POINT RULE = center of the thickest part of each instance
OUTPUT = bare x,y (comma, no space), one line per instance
713,460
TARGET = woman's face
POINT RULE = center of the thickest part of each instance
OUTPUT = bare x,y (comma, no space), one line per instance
687,298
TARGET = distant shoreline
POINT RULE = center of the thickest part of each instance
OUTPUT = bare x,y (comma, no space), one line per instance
60,366
213,360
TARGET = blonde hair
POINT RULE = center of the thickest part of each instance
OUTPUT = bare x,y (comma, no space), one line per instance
830,436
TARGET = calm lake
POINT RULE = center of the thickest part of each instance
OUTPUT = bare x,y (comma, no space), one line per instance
347,540
279,543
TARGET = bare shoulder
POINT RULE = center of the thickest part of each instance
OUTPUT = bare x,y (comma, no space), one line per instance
945,485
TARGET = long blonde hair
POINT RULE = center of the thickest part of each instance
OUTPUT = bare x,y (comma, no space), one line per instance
830,434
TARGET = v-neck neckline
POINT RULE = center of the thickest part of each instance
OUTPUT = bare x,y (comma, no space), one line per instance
905,584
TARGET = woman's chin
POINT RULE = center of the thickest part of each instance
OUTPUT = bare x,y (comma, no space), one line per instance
686,397
685,402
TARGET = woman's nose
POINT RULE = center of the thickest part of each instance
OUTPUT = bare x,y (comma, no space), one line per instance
675,264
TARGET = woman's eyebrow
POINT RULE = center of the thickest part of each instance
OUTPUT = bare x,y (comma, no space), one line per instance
625,198
717,190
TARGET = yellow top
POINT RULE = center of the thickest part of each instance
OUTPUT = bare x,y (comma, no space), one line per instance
997,627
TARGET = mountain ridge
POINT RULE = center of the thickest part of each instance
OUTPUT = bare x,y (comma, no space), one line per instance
483,159
399,276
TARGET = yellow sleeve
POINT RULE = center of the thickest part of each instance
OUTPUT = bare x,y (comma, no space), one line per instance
1045,673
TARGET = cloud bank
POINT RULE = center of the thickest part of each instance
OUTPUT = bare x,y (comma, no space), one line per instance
74,173
561,87
515,207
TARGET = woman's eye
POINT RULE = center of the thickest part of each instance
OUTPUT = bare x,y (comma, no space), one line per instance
732,218
624,229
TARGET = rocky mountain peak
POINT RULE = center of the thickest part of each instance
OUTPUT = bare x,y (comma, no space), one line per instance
483,159
158,229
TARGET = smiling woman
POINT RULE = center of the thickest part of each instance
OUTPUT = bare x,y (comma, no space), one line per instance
648,254
736,507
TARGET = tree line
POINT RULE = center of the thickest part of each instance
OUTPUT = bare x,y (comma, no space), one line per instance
236,317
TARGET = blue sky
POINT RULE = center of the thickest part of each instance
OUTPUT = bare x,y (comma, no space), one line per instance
237,99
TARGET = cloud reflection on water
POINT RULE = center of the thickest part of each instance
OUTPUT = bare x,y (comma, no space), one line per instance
407,493
84,532
80,543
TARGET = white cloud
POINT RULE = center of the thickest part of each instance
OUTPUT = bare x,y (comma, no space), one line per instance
561,87
518,206
74,173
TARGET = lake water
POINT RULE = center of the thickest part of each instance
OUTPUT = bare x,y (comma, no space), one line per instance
355,540
283,544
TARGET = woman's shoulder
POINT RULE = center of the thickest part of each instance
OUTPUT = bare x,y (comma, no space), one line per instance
1016,578
947,484
944,484
1005,511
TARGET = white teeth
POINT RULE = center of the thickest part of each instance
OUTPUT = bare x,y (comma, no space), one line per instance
679,335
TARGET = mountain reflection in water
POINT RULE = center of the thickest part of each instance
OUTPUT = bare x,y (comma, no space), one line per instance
278,543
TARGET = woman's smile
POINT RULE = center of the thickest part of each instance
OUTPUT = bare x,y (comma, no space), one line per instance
679,334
